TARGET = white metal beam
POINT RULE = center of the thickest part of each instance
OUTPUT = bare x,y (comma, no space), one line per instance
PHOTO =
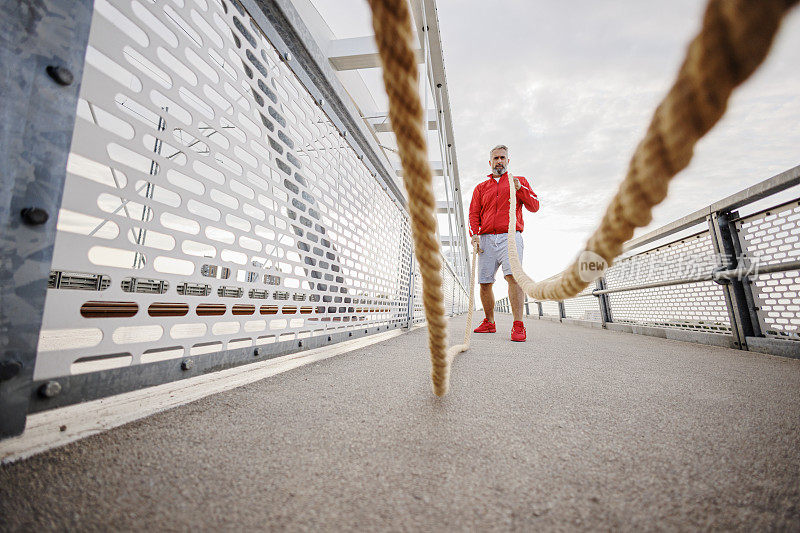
379,120
436,167
357,53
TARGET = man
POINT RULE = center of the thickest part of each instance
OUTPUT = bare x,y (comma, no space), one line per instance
488,224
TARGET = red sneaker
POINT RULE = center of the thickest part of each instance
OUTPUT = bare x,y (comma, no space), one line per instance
486,327
518,332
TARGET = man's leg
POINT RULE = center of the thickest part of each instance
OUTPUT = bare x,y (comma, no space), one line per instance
515,297
487,299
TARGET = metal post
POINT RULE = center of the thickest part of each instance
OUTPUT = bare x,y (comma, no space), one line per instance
740,307
42,50
541,311
747,284
562,311
604,302
410,307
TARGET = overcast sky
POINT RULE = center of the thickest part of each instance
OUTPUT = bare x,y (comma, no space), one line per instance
571,87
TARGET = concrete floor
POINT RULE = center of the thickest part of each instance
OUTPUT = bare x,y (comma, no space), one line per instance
575,429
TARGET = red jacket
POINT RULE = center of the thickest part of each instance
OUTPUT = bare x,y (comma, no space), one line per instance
488,211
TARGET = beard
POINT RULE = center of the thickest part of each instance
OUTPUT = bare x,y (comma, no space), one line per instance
499,170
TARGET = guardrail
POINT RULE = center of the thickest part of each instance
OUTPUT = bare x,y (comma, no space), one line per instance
720,275
223,203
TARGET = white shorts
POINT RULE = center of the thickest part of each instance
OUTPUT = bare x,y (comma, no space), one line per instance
495,253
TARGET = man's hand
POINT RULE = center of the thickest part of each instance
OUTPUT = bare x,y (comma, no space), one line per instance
517,184
476,242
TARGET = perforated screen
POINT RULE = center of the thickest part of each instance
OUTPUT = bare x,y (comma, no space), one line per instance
210,203
695,306
771,237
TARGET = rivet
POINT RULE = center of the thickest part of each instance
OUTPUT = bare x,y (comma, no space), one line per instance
321,102
34,216
9,369
286,56
186,364
60,75
50,389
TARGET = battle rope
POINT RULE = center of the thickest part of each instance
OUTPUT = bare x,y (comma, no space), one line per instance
734,39
458,348
392,23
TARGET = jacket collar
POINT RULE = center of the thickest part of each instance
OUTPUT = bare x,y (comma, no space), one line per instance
492,176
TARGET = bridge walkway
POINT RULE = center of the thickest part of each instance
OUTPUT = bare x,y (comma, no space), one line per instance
577,428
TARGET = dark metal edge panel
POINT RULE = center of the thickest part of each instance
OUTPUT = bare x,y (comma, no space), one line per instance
779,347
699,337
91,386
38,116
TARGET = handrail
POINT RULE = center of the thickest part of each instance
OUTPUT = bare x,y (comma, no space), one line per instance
768,187
719,276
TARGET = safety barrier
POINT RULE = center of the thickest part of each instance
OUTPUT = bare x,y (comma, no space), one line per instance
726,274
221,205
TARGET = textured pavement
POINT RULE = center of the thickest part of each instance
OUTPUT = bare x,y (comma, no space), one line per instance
575,429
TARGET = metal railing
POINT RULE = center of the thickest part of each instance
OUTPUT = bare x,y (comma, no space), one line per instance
715,276
222,204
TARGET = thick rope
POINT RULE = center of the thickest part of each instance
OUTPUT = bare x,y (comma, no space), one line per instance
735,38
392,23
458,348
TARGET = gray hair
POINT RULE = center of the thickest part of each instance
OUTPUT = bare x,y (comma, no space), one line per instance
500,147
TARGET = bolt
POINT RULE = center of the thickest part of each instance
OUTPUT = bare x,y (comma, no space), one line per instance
329,337
256,352
34,216
186,364
286,56
9,369
300,344
50,389
321,102
60,75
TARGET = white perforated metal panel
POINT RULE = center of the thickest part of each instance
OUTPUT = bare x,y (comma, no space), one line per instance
584,306
695,306
210,204
768,238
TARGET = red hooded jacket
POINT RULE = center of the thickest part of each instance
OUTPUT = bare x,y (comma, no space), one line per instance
488,211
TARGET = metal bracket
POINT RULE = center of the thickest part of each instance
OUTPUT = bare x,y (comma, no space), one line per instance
740,306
